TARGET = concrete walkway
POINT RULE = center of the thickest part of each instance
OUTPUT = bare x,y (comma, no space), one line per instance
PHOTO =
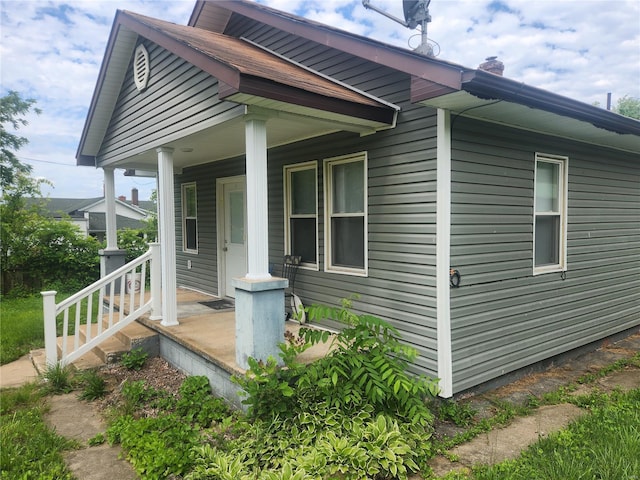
79,420
73,419
18,373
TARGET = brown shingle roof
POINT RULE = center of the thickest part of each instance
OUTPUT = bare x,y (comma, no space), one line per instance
251,60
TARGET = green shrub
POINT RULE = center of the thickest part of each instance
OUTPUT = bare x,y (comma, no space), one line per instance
48,254
357,413
137,392
135,359
368,365
133,242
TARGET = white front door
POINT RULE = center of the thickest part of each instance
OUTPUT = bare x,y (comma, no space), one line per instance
233,231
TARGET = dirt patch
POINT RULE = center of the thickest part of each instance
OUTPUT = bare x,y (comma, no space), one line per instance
156,373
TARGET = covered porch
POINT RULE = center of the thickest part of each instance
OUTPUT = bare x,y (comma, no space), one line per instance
224,104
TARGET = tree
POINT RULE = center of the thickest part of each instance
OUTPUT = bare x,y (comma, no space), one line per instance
35,251
12,108
628,106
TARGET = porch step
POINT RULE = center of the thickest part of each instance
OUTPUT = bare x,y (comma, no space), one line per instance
134,335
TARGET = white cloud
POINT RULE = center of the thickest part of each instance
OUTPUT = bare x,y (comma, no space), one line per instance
52,51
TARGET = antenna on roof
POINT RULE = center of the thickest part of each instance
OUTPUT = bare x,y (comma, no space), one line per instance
416,12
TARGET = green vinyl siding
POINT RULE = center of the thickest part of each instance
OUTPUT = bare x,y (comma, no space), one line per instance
503,317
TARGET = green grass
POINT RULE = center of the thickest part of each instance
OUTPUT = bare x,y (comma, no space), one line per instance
21,327
22,324
30,450
604,445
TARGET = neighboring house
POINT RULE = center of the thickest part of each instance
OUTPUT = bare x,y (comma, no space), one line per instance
88,214
385,169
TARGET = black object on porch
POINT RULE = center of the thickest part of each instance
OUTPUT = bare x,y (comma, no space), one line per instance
218,304
290,266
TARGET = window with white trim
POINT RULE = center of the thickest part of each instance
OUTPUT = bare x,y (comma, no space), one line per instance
346,214
301,212
550,214
189,218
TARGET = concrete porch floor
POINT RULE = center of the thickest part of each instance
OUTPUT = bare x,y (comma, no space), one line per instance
211,333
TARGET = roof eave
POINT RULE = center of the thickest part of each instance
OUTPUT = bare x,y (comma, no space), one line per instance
257,87
490,86
115,55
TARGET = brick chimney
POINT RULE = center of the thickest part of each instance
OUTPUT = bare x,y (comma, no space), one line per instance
122,198
134,196
492,65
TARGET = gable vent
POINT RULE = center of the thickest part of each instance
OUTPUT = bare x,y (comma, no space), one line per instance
141,67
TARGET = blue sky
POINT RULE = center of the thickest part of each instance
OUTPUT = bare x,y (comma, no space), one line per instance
52,50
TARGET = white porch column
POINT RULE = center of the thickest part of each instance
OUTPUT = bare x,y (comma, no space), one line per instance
110,213
111,258
257,199
166,227
259,298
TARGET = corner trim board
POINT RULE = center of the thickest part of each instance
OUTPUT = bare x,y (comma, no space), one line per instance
443,242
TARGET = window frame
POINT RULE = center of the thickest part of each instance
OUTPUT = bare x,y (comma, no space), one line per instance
563,200
184,187
288,209
328,165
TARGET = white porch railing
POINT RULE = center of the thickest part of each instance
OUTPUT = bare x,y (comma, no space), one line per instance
110,314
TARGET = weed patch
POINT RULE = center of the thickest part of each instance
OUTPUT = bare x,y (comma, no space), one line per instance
30,449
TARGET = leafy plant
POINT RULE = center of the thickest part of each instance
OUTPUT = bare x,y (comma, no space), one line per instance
97,439
196,404
135,359
324,443
94,386
157,447
135,393
367,365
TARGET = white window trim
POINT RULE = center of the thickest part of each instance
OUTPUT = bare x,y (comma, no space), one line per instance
328,162
184,187
288,169
563,198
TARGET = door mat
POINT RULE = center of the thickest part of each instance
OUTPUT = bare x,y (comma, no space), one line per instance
218,304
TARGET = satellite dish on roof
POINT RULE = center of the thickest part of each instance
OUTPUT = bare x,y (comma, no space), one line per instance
416,12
